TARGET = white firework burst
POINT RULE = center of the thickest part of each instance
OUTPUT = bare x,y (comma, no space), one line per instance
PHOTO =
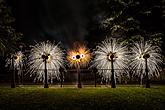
54,62
18,61
137,62
102,60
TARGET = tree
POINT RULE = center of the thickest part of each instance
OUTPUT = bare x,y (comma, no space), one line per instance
8,36
129,19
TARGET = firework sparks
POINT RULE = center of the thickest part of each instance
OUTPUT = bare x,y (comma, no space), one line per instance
140,51
17,60
79,57
108,50
54,61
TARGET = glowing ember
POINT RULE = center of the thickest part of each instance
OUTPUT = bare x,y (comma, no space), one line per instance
54,57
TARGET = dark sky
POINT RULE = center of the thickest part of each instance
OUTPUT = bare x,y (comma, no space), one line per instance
59,20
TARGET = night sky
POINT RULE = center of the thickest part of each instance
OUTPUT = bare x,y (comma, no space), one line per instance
59,20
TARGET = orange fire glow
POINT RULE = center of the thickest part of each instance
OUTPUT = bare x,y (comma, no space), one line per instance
79,57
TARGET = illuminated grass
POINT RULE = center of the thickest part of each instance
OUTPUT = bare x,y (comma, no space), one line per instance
125,98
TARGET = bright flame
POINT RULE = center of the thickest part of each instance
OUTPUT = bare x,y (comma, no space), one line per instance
55,60
103,56
79,57
137,63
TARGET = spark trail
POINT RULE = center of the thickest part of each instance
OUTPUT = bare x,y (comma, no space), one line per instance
137,63
54,62
102,60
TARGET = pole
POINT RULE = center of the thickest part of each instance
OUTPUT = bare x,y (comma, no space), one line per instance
95,71
141,79
22,77
112,76
147,78
61,76
13,74
21,46
79,78
112,68
46,79
61,79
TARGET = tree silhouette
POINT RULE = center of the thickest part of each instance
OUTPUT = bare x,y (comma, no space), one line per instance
129,19
8,35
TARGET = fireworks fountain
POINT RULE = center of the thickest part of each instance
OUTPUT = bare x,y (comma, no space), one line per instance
79,57
145,58
16,63
48,57
110,55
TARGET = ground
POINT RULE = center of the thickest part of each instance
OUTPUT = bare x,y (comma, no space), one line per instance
87,98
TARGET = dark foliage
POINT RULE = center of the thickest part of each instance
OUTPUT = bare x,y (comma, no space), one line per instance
8,36
130,20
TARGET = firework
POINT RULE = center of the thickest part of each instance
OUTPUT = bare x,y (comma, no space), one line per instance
108,50
55,60
139,52
18,60
79,57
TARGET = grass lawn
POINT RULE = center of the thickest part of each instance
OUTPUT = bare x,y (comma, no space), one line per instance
87,98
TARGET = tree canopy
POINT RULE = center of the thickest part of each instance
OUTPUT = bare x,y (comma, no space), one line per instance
128,19
8,36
